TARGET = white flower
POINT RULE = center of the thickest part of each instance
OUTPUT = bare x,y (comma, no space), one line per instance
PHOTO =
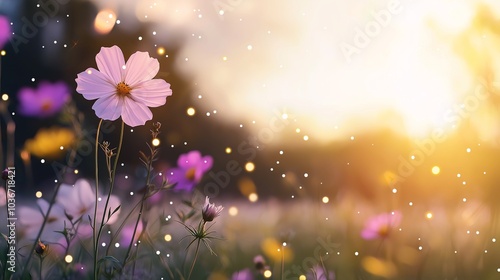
31,219
79,202
123,89
210,211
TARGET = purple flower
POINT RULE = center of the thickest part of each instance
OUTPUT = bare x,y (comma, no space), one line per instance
5,31
381,225
128,231
44,101
318,273
244,274
210,211
190,169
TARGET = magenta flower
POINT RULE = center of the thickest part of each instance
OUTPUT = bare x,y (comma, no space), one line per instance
123,89
190,169
45,101
318,273
210,211
128,231
381,225
244,274
5,31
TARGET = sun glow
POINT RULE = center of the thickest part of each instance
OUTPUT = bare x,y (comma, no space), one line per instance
338,70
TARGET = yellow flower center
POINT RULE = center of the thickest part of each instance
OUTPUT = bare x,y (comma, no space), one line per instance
383,231
46,106
122,89
190,174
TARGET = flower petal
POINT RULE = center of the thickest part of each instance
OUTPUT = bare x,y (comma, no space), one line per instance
202,167
178,176
86,194
114,202
140,67
135,113
189,160
110,62
152,93
93,84
108,108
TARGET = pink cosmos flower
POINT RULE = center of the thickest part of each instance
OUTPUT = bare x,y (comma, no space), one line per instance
318,273
5,31
79,201
190,169
245,274
123,89
381,225
31,219
45,101
210,211
128,231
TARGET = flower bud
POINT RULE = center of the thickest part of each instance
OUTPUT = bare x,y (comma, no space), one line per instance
210,211
40,248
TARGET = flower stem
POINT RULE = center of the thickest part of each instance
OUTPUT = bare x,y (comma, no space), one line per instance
94,224
112,180
46,216
282,262
40,271
194,260
135,228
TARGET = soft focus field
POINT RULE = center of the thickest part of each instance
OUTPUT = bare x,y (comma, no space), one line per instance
242,140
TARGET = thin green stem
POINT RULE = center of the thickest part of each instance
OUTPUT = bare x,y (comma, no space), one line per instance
112,179
135,227
282,262
195,257
40,271
148,179
94,224
46,216
117,232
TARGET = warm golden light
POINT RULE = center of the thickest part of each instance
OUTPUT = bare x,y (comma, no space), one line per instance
250,166
191,111
428,215
155,142
38,194
5,97
253,197
267,273
68,258
325,199
160,51
228,150
168,237
436,170
104,21
233,211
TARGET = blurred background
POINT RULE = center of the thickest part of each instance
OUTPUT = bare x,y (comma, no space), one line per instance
365,106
